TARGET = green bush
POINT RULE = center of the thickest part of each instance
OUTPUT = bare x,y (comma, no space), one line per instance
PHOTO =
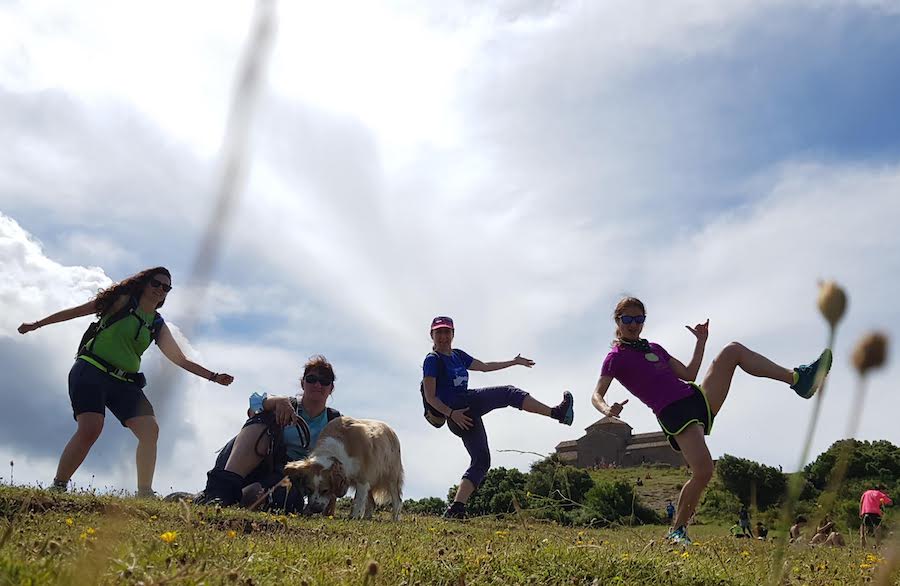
748,479
496,493
552,479
720,504
609,503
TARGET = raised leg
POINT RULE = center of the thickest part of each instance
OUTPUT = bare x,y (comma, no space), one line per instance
248,445
717,381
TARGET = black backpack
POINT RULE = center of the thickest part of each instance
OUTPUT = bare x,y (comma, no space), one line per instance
90,334
432,415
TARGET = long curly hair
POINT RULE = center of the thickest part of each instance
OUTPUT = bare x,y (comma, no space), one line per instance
132,286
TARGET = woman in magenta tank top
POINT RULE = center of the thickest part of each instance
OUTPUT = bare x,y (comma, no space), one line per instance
685,410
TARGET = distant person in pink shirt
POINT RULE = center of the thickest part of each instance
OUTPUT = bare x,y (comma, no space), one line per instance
684,409
870,505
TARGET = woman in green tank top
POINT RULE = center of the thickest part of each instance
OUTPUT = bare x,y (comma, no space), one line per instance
106,373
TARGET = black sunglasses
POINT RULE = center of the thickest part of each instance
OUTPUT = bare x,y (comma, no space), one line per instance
157,284
627,319
312,379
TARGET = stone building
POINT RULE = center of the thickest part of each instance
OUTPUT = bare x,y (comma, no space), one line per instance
610,441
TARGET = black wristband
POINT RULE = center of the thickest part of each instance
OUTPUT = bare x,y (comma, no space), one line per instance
212,376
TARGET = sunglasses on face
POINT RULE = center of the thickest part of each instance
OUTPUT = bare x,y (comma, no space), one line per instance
627,319
312,379
156,284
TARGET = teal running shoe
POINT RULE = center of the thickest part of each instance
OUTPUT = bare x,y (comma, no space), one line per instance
808,378
565,411
679,537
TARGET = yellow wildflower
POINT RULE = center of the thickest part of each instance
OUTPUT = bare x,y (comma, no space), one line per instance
685,555
70,521
90,531
746,554
232,534
169,536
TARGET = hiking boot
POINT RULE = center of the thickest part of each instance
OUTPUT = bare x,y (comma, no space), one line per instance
456,511
679,537
808,379
565,411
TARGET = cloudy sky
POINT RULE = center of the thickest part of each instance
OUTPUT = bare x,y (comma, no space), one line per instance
518,165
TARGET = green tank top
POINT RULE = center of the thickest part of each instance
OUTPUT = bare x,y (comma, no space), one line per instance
117,343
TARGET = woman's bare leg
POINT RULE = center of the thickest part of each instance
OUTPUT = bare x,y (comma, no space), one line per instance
89,427
717,381
248,445
696,454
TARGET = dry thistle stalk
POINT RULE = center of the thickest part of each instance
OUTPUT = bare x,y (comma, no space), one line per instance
870,352
832,302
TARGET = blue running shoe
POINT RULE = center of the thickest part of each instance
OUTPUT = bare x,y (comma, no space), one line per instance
565,411
679,537
808,379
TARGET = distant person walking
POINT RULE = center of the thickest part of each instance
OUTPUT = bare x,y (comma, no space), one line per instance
871,505
445,384
670,512
685,410
106,371
744,520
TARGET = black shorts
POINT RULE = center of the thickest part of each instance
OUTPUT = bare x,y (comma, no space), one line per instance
676,417
871,521
93,391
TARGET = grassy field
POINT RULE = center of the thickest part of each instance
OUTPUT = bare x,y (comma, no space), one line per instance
86,539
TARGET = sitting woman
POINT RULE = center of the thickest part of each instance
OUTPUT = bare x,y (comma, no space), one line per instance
279,430
796,529
823,530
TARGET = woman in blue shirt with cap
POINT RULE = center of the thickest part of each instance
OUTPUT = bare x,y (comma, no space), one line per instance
445,389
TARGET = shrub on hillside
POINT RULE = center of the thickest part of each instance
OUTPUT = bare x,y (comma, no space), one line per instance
552,479
611,503
719,503
496,493
745,478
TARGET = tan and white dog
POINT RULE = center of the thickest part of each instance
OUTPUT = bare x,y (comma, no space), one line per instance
359,453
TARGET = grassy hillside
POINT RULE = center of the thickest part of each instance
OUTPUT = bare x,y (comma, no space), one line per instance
660,483
85,539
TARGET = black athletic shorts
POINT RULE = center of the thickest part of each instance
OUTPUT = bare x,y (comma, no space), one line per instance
93,391
871,521
676,417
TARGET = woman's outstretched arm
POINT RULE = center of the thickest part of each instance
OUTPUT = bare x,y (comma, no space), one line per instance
60,316
492,366
172,351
